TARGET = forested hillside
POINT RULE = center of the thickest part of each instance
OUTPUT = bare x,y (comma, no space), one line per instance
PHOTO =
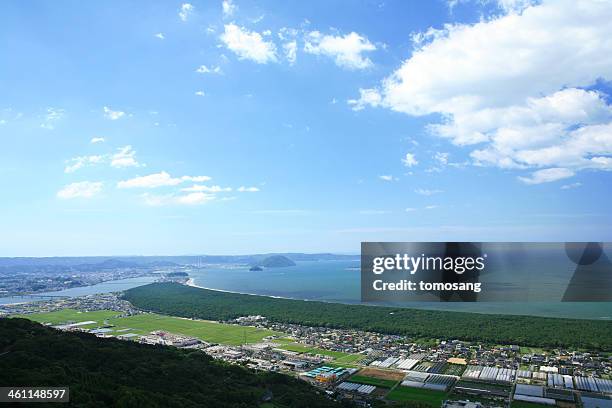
110,372
179,300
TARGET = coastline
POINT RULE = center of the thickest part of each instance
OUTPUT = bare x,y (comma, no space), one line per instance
191,282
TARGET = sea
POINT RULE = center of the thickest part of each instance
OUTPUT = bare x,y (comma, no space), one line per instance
329,281
340,281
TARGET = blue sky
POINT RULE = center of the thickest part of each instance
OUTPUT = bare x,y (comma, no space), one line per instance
243,127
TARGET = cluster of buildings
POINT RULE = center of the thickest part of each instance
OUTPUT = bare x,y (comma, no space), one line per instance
472,375
102,301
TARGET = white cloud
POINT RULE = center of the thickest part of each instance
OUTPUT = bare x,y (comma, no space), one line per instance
512,84
199,93
570,186
386,177
51,116
161,179
346,50
410,209
248,44
161,36
185,11
367,97
196,198
432,207
76,163
427,192
82,189
229,8
203,69
111,114
410,160
290,49
207,189
125,157
441,158
243,189
547,175
95,140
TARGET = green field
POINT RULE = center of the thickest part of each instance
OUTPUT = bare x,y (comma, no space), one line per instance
338,356
433,398
146,323
70,316
379,382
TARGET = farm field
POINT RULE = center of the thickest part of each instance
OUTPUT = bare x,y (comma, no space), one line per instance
71,316
429,397
208,331
379,382
144,323
339,357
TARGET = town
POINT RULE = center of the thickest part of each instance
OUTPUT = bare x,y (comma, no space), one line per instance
364,367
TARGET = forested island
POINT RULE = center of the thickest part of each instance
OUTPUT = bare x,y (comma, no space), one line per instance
111,372
179,300
275,261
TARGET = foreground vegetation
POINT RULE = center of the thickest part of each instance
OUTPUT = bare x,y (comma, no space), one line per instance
180,300
110,372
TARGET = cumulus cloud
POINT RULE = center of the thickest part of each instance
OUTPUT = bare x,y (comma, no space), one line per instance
51,116
427,192
77,163
570,186
185,11
95,140
248,44
199,93
161,179
203,69
410,160
229,8
347,51
125,157
367,97
111,114
161,36
82,189
290,49
170,199
547,175
519,86
206,189
244,189
386,177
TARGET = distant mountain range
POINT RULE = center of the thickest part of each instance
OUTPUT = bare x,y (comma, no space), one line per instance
111,262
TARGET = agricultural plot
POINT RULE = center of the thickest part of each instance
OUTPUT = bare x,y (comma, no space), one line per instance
338,356
454,369
145,323
65,316
378,382
204,330
429,397
392,375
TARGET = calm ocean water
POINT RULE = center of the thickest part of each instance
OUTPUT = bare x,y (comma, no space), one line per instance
339,281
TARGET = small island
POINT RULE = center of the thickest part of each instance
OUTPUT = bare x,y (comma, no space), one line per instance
274,261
